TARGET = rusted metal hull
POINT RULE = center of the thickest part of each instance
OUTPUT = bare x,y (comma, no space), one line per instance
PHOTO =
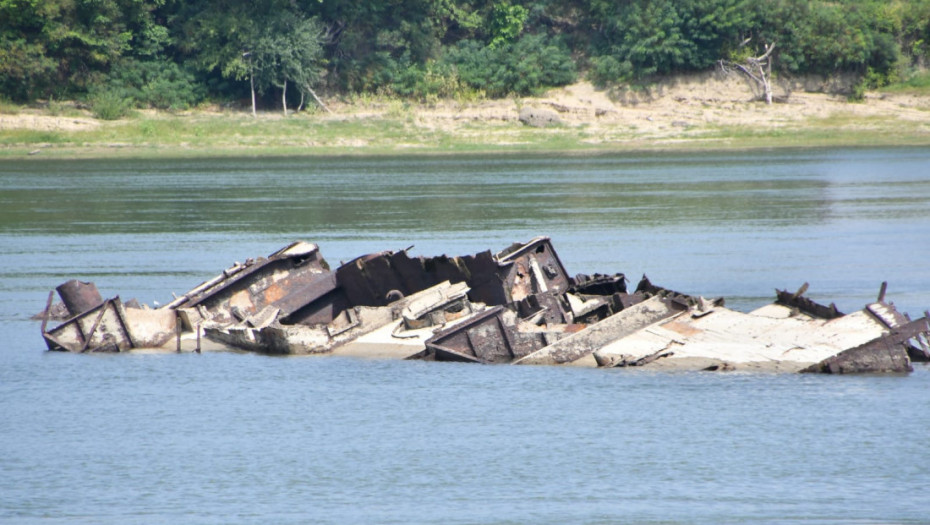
885,354
434,308
100,329
79,297
490,337
245,289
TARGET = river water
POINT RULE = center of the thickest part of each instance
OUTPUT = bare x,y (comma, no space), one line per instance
238,438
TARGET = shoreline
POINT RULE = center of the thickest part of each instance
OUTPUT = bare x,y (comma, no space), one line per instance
801,139
698,113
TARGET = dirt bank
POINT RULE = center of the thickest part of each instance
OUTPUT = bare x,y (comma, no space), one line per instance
690,106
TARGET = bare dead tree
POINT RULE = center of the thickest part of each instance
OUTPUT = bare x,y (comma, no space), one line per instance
758,69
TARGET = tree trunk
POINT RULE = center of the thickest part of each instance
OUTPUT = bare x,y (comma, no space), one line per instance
768,76
766,85
318,101
284,97
252,82
759,69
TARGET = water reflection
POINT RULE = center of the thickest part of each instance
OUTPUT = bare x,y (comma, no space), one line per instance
719,224
287,195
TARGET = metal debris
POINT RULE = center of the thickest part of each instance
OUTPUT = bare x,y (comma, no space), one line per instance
99,329
516,306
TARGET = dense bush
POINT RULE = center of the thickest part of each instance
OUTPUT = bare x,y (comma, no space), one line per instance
646,37
523,67
157,84
429,82
26,72
110,104
828,38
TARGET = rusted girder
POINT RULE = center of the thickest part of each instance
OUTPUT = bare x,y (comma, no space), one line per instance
805,305
888,353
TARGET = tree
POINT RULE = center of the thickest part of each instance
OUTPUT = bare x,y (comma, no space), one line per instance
267,42
638,38
756,68
524,67
52,47
506,23
289,50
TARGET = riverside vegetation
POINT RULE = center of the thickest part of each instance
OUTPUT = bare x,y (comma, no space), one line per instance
696,112
115,77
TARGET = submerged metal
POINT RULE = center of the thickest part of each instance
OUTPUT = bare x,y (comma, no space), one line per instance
516,306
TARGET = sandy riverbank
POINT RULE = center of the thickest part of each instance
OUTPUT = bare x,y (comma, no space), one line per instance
691,106
706,111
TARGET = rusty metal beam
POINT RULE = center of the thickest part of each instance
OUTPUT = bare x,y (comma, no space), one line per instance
885,354
47,313
805,305
96,324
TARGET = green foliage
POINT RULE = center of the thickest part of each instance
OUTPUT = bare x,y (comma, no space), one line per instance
110,104
157,84
913,31
286,49
646,37
506,24
917,82
372,42
26,72
55,107
430,82
827,38
524,67
430,48
607,69
269,42
60,47
870,81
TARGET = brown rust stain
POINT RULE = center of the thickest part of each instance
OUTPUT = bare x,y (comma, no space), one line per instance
274,293
682,328
574,327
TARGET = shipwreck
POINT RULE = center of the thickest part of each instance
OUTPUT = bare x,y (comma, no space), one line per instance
517,306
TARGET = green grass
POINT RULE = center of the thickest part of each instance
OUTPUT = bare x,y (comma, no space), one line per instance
397,132
30,137
918,83
58,108
833,131
9,108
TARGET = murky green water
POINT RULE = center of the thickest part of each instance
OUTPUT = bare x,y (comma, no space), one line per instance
227,438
